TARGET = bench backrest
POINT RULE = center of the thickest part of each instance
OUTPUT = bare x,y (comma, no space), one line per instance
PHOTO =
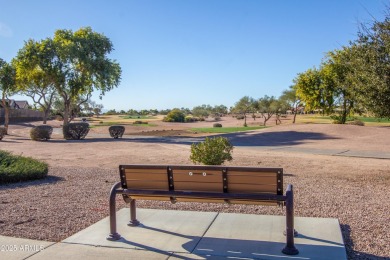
195,178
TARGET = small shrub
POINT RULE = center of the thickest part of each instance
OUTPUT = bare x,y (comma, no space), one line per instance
116,131
213,151
3,131
18,168
217,125
140,122
356,122
168,119
336,119
189,119
41,133
75,131
174,116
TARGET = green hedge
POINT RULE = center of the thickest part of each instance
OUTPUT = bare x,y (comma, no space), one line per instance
15,168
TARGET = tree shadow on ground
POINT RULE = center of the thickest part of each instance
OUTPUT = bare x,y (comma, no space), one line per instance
288,138
349,245
47,180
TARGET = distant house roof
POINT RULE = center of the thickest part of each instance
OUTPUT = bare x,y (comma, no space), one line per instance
16,104
23,104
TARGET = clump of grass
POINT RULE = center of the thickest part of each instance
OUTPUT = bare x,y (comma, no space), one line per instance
15,168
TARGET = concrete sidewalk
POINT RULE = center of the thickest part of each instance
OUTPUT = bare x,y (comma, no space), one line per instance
169,234
323,151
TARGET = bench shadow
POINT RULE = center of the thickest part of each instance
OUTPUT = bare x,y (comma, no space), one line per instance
47,180
211,247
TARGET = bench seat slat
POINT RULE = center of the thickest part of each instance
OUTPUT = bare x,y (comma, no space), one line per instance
203,200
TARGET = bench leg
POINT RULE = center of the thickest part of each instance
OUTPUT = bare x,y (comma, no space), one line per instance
290,249
113,234
133,216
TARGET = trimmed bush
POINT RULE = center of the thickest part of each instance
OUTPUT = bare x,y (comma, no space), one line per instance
213,151
41,133
75,131
18,168
116,131
3,131
217,125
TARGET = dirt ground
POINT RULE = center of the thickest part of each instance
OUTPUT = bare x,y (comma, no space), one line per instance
352,189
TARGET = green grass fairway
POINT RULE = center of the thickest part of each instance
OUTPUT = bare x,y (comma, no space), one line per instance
369,121
225,130
137,117
120,123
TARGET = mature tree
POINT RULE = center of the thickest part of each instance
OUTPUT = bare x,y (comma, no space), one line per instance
111,112
244,106
76,63
290,97
7,87
36,84
221,110
336,77
132,112
202,111
76,107
268,106
97,108
164,111
329,88
153,111
312,92
144,112
87,107
371,67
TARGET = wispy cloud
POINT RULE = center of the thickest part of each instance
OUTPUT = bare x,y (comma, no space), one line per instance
5,30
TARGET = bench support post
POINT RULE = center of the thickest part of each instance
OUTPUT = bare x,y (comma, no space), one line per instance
113,234
290,249
133,217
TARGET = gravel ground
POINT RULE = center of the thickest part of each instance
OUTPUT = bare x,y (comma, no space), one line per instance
75,195
63,204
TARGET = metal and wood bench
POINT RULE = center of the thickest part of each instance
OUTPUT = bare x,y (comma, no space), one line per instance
211,184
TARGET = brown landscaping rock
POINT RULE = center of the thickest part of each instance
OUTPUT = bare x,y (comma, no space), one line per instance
354,190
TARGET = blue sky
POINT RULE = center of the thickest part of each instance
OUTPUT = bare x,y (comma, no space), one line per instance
185,53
